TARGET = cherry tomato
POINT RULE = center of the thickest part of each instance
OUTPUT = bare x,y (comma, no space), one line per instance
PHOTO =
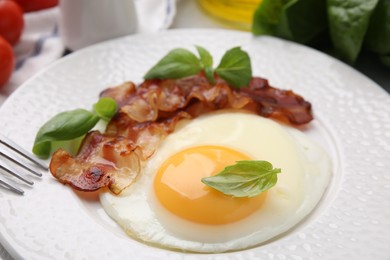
11,21
7,61
34,5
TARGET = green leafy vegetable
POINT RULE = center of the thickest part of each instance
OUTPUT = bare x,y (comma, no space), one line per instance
178,63
378,35
105,108
303,20
70,125
64,126
348,23
267,17
340,27
207,62
296,20
244,179
234,68
385,60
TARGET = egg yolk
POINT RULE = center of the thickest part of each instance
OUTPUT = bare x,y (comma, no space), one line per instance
179,189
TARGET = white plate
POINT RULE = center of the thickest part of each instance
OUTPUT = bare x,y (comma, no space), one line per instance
352,123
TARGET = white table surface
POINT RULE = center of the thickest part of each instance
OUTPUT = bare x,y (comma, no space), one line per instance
189,15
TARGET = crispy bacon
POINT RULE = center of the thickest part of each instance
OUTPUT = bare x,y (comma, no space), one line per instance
278,103
149,112
155,99
102,161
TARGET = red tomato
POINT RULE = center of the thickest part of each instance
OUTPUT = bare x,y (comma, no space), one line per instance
11,21
34,5
7,61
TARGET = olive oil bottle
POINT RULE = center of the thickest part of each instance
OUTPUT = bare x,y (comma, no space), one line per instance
232,13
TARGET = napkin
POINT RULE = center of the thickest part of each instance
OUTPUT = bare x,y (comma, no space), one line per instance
40,44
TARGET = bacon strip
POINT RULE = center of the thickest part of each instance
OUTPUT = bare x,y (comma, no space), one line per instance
278,103
149,112
102,161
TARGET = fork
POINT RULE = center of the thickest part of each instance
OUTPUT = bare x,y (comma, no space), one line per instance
16,155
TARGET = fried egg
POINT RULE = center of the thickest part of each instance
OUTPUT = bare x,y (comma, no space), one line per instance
169,207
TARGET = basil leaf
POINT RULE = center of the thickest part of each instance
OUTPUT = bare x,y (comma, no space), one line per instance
64,126
105,108
207,63
244,179
348,23
178,63
205,57
377,38
235,68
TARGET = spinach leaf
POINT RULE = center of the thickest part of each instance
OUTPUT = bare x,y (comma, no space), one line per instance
385,60
303,20
378,35
296,20
348,23
267,17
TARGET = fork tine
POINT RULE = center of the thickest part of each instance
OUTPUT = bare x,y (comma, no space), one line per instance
11,187
6,167
20,164
16,148
13,172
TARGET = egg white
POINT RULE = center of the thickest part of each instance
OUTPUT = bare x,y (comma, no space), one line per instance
305,175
